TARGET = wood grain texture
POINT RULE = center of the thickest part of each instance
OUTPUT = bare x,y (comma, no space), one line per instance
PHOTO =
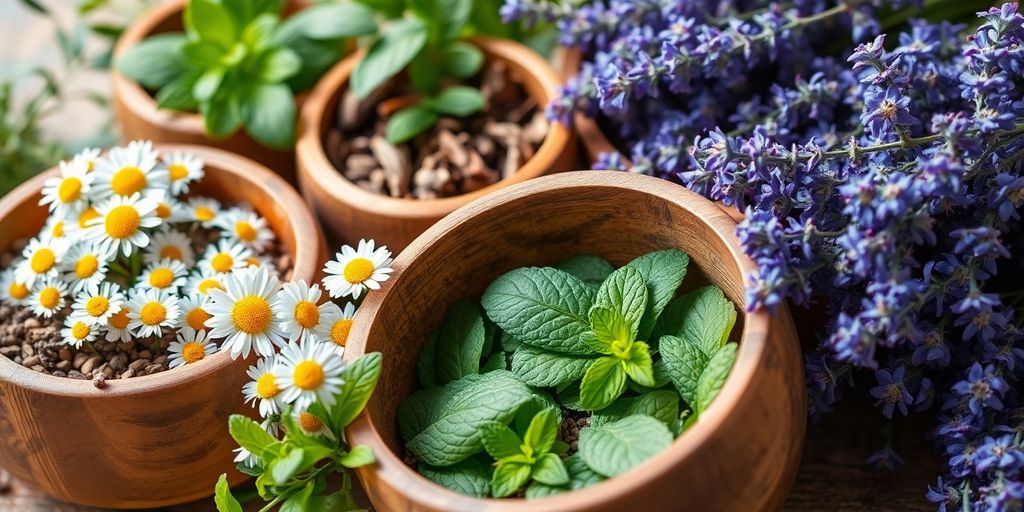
350,213
153,440
744,452
139,117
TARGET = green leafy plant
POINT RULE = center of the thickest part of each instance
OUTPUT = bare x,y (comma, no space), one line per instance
240,65
532,457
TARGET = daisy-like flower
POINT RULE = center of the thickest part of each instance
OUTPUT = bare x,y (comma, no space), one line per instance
203,210
299,315
200,283
130,170
260,261
245,457
245,227
97,303
42,258
68,194
76,332
171,211
183,168
14,292
355,270
48,297
190,347
117,327
243,313
167,274
224,257
336,324
56,227
150,311
193,311
84,265
309,372
121,224
311,424
263,387
88,158
170,244
76,227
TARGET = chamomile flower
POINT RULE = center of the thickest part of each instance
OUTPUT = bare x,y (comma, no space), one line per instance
170,244
299,315
255,261
151,311
183,168
224,257
98,302
84,265
245,457
191,346
48,297
336,323
193,311
13,292
263,387
355,270
171,211
308,372
200,283
243,314
42,258
56,227
130,170
245,227
117,327
87,158
76,332
203,210
121,224
167,274
75,227
311,424
67,194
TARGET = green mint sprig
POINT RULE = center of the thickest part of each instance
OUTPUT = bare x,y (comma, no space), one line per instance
532,457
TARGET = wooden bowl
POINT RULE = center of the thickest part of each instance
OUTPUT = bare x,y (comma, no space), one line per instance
148,441
743,453
139,117
350,213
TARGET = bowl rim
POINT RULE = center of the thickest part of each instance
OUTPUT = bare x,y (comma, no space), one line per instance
309,245
316,167
753,346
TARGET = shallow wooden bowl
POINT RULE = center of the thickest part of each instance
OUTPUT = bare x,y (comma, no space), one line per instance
147,441
350,213
743,453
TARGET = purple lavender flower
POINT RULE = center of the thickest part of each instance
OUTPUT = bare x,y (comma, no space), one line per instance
982,388
885,110
891,391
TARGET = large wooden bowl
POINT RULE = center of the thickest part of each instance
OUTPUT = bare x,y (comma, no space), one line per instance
139,117
147,441
350,213
743,453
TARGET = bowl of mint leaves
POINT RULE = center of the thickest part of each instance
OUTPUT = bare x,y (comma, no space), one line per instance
579,342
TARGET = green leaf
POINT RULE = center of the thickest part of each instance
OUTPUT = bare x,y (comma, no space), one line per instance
617,447
604,381
544,307
209,20
334,21
250,435
662,404
461,59
408,123
286,467
358,380
222,117
541,368
704,316
542,432
549,470
495,361
685,362
714,376
580,477
269,115
461,342
470,477
222,496
423,407
35,6
278,65
541,402
626,292
458,101
155,62
610,330
638,364
202,54
569,397
299,502
206,87
500,441
426,364
589,269
177,95
360,455
663,271
388,55
508,478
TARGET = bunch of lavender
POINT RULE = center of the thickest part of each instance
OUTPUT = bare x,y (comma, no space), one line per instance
886,179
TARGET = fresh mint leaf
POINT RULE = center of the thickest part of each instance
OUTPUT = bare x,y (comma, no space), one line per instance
222,117
704,316
334,21
495,361
714,376
450,16
457,100
617,447
685,361
461,59
286,467
626,292
360,455
541,368
592,270
222,496
509,343
549,470
388,55
508,478
209,20
663,271
638,364
426,364
662,404
544,307
177,95
299,502
250,435
603,382
541,401
423,407
409,122
569,397
461,342
278,65
499,440
269,115
609,328
580,477
661,378
156,61
470,477
358,380
542,432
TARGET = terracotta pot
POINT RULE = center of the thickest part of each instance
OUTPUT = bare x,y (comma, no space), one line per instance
351,213
139,117
741,455
149,441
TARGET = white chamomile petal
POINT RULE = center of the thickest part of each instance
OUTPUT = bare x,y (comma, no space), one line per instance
87,158
130,170
84,265
98,302
76,226
183,168
336,325
311,424
68,194
300,315
170,244
202,210
122,223
116,328
243,313
309,372
167,274
245,227
13,291
42,258
190,347
171,211
245,457
76,332
48,297
224,257
151,311
194,312
355,270
200,283
263,387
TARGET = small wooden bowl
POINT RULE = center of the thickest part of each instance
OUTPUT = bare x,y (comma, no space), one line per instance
350,213
140,118
741,455
148,441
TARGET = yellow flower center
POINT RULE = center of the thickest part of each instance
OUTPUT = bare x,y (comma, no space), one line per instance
245,231
120,319
90,166
97,306
153,313
307,314
251,314
88,214
69,190
253,261
340,330
204,214
122,221
58,229
17,291
178,172
266,386
163,210
209,284
86,266
42,260
80,331
161,277
127,181
171,252
222,262
308,422
49,297
192,352
308,375
358,270
197,318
